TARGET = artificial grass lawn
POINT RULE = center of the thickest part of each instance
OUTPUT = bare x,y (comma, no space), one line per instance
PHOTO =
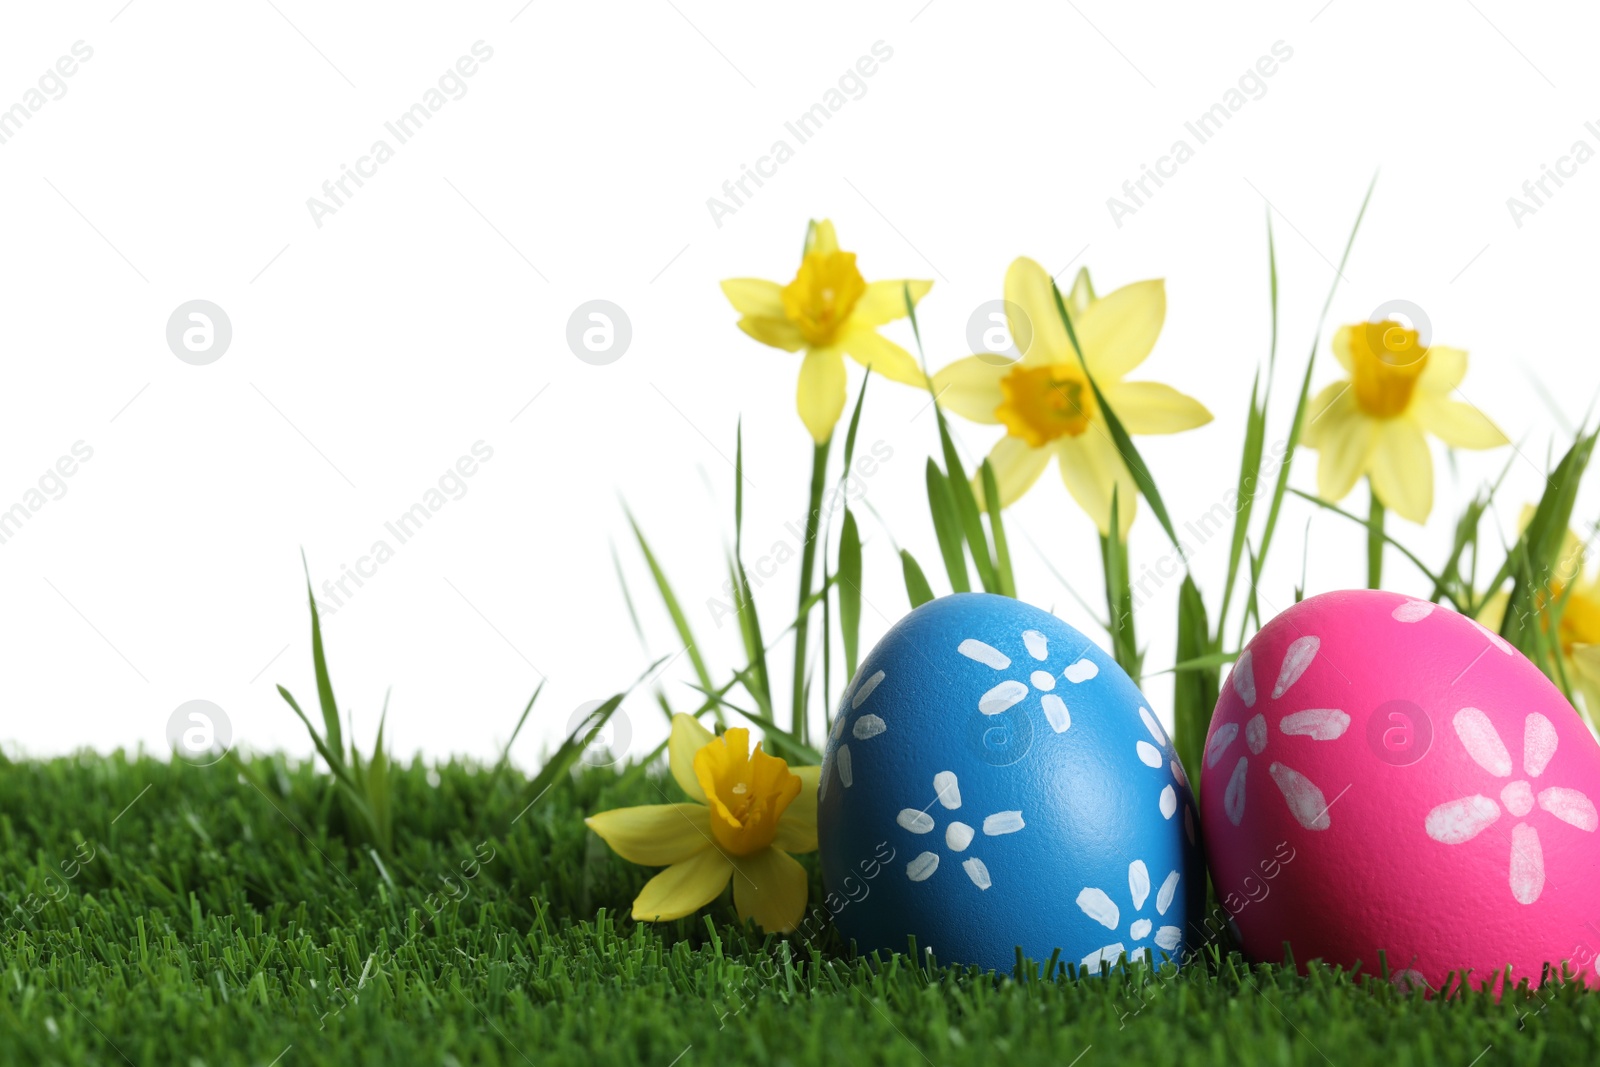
220,920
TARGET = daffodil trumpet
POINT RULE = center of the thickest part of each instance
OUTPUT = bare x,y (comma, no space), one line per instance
748,813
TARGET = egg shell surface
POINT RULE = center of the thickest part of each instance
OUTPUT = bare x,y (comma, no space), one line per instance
994,780
1382,773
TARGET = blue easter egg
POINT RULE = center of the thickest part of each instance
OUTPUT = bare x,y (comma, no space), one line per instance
993,780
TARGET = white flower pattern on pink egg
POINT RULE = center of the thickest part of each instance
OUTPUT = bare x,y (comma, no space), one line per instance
1305,798
1459,821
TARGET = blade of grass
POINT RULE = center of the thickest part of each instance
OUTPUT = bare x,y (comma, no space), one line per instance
850,591
917,589
1297,426
504,763
1119,596
808,557
330,709
1375,539
680,622
947,527
580,738
749,618
997,527
1194,692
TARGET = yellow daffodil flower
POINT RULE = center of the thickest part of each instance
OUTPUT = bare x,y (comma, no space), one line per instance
749,812
1578,634
829,311
1044,400
1373,423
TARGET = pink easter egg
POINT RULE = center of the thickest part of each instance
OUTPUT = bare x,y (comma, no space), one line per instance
1383,773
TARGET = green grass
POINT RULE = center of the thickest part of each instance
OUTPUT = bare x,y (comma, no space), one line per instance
212,918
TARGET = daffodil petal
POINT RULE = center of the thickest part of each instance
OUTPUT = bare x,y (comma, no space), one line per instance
1456,423
1587,659
886,301
1150,407
656,834
821,392
1118,331
770,887
684,888
870,349
1493,612
1081,295
1017,465
755,296
1028,293
1090,468
1311,432
1341,348
687,738
779,333
1344,441
1401,469
970,387
797,827
821,238
1445,369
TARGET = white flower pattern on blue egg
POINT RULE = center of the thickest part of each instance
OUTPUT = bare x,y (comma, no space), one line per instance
1013,691
867,726
1097,904
957,834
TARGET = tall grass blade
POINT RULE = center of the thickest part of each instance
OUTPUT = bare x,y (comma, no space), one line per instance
918,591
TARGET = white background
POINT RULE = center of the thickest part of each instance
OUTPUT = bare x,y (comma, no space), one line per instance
429,312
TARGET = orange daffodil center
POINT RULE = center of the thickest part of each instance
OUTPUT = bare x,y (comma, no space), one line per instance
1043,403
1387,359
824,292
748,791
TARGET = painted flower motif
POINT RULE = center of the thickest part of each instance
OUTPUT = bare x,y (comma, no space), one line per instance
867,726
1459,821
1305,798
1013,691
1045,402
750,811
1373,423
1153,756
830,312
1098,905
957,834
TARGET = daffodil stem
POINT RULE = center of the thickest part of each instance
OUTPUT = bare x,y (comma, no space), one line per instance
1375,542
808,559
